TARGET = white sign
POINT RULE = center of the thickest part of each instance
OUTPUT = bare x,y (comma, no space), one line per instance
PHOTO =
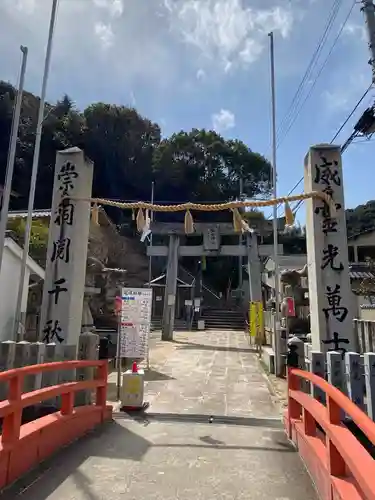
135,322
327,252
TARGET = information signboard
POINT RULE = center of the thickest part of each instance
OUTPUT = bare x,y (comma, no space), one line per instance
135,322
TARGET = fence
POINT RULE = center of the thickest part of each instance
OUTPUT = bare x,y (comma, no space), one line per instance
365,335
352,373
24,446
364,332
339,464
15,355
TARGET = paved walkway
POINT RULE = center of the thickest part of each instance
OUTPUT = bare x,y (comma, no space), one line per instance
175,453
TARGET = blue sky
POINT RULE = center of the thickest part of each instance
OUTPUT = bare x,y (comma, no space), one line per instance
205,63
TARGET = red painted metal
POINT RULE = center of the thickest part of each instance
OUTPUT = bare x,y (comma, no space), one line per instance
339,465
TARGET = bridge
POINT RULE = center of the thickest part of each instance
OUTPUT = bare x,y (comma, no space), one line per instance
213,430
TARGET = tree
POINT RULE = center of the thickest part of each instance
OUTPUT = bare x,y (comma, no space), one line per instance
121,143
38,236
201,166
361,218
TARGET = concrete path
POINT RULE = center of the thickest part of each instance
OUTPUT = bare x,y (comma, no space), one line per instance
175,453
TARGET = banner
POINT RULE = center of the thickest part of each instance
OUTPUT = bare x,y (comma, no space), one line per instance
135,322
256,324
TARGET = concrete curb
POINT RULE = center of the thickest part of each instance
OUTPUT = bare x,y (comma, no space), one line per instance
279,399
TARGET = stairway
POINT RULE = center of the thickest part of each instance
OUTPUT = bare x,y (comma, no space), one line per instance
221,319
179,324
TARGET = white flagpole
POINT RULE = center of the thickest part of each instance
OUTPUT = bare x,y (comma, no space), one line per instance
34,171
277,332
12,154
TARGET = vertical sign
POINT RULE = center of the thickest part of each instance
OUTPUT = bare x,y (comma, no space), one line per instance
327,254
256,319
61,314
135,322
211,238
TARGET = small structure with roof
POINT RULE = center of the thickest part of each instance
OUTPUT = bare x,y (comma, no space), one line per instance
9,283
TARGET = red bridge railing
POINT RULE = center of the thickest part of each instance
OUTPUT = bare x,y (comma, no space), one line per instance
338,463
23,446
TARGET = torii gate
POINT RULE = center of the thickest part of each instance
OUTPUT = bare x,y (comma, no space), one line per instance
211,247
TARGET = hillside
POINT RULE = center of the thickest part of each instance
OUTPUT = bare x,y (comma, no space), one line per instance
361,218
128,153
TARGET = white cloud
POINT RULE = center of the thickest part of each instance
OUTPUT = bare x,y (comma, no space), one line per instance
223,120
136,43
227,31
24,5
355,29
342,97
161,41
104,33
201,74
115,8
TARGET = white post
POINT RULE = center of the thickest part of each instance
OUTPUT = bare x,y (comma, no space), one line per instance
327,254
277,331
61,315
151,219
369,13
34,169
12,155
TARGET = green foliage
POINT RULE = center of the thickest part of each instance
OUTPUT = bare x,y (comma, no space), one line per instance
128,154
253,215
38,237
361,218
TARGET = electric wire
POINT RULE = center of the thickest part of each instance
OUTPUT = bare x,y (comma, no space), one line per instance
295,107
323,66
325,62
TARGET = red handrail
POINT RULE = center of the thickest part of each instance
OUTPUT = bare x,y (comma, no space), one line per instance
344,451
11,408
360,418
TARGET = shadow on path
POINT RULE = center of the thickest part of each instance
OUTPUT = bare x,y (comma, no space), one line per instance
208,347
146,417
112,440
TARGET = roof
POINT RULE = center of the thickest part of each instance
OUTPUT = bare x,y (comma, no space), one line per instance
290,261
360,272
22,214
47,212
361,233
17,251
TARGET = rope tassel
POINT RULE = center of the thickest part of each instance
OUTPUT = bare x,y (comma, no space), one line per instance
289,216
237,221
95,214
188,222
140,220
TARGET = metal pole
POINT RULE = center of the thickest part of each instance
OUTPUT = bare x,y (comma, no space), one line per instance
118,353
150,263
274,185
240,275
369,13
34,170
12,154
151,219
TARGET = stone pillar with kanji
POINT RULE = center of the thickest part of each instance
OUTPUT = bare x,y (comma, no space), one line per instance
330,293
61,314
